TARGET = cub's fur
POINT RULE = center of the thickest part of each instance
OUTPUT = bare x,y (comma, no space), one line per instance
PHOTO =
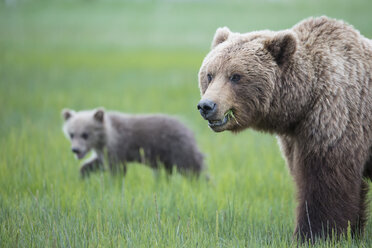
149,139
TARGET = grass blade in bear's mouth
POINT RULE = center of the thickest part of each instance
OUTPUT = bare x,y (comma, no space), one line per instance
230,115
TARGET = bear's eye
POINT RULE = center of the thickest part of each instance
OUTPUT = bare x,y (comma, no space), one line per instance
235,78
71,135
84,136
209,76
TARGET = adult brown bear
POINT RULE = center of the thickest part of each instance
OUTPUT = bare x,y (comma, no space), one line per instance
311,86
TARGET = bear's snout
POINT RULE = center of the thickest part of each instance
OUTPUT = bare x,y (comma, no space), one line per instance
207,108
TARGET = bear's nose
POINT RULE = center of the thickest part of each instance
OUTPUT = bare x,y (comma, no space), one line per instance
75,150
207,108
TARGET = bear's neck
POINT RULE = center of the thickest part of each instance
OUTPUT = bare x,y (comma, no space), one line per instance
292,97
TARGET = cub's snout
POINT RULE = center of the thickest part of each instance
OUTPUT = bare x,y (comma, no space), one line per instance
75,150
79,153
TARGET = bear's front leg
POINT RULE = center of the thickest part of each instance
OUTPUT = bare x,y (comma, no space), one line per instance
91,165
330,193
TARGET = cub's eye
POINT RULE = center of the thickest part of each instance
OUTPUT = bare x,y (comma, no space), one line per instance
71,135
209,76
84,136
235,78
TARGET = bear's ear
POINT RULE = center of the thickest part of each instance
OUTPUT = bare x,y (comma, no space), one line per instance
220,36
67,114
282,46
99,114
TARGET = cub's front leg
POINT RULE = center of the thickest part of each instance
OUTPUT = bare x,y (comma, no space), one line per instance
93,164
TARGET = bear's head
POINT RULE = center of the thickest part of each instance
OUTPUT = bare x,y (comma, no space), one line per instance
238,77
84,129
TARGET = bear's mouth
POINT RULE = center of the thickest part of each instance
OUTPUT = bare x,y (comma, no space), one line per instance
218,123
226,118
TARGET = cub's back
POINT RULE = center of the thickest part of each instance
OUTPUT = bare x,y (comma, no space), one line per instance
151,128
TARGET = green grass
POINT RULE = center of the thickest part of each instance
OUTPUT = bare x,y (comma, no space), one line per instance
137,57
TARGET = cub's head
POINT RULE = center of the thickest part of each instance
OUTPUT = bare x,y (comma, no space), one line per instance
85,130
238,77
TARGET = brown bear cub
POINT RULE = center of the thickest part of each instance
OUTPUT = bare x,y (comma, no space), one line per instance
150,139
311,85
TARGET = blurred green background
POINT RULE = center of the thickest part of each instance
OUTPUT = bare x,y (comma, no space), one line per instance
137,57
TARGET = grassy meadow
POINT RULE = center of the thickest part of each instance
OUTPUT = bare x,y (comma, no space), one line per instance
138,57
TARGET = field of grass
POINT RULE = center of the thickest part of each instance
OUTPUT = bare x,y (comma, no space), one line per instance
137,57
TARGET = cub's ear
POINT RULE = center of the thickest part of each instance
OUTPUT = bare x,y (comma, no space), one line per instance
67,114
221,35
282,46
99,114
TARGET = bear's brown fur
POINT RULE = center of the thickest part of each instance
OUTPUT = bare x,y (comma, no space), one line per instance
150,139
310,85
